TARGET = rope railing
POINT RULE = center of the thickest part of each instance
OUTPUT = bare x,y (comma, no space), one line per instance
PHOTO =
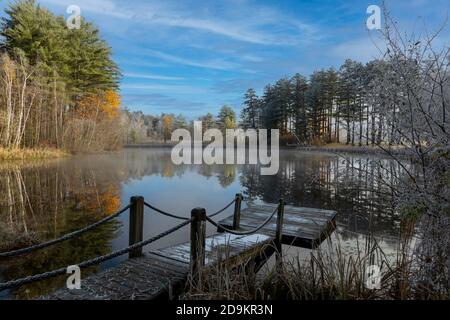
92,262
164,213
243,233
198,232
222,210
79,232
171,215
63,238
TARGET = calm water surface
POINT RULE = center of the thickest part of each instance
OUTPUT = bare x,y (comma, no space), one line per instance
52,198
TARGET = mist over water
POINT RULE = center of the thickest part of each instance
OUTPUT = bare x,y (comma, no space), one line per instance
45,200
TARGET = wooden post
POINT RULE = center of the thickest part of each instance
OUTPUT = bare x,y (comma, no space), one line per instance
198,235
279,231
237,212
136,225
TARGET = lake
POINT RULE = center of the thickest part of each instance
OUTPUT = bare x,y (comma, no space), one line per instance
51,198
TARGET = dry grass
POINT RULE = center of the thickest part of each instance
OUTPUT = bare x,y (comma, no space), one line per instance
31,154
221,283
328,273
12,239
224,281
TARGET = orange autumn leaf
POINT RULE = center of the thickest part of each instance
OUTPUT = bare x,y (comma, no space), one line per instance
106,201
167,122
104,105
110,200
112,104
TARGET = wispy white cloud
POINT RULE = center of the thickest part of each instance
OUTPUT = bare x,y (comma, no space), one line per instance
102,7
253,27
166,88
220,28
362,49
251,57
212,51
150,76
218,64
161,102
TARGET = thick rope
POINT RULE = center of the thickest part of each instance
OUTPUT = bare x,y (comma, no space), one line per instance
63,238
222,210
164,213
89,263
167,214
244,233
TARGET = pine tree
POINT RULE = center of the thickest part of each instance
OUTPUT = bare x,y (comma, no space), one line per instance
67,68
79,57
300,87
226,118
250,115
208,121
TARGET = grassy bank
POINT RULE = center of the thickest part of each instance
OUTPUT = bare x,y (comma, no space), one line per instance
30,154
13,239
339,148
328,273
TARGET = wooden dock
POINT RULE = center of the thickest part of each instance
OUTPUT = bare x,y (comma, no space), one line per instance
250,237
302,227
162,274
234,250
148,277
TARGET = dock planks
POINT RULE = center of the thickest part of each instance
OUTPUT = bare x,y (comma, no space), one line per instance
145,278
302,227
234,249
162,274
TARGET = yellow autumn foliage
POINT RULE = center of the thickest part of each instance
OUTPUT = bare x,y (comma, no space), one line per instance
100,106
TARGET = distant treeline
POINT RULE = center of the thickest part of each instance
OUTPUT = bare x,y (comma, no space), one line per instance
348,105
358,104
142,127
58,85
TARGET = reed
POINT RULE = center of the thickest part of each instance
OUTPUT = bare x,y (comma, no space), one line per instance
11,238
329,273
31,154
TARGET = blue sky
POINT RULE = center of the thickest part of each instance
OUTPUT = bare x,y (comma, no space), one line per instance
192,57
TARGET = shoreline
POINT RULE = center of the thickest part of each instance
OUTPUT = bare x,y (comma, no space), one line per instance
351,150
53,153
32,154
332,148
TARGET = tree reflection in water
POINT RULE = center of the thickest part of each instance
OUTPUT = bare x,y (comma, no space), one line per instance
52,198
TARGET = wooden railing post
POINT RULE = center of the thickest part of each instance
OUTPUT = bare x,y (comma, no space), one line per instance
136,225
279,231
198,235
237,212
